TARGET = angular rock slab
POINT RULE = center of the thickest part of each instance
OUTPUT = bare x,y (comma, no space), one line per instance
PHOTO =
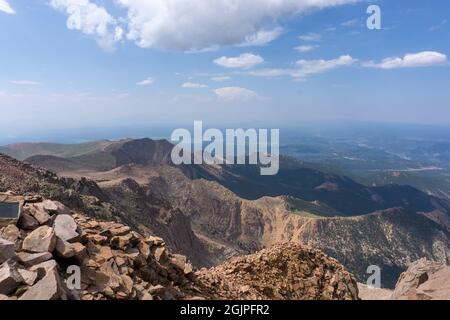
31,259
6,250
66,228
9,278
42,239
48,288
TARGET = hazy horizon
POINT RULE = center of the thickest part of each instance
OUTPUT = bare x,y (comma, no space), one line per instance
320,128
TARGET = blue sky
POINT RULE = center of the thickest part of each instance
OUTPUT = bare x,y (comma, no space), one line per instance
92,63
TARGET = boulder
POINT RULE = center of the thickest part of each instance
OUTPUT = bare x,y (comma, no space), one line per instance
10,233
29,277
79,251
424,280
27,222
39,214
44,268
116,230
48,288
31,259
42,239
9,278
121,242
51,207
64,249
6,250
66,228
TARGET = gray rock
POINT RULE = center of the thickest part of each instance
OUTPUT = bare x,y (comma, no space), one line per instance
53,207
10,233
6,250
9,278
424,280
43,268
27,222
42,239
31,259
48,288
64,249
29,277
66,228
40,215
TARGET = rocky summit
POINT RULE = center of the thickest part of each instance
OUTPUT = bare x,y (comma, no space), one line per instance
40,254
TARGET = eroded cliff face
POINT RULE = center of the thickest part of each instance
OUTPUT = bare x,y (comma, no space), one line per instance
116,262
390,239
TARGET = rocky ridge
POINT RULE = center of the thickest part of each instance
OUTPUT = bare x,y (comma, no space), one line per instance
118,263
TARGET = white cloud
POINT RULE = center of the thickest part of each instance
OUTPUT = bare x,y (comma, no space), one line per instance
90,19
303,49
311,37
193,85
25,82
221,78
197,25
235,94
412,60
5,7
244,61
305,68
146,82
262,37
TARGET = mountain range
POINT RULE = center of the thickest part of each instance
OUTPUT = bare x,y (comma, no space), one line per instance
212,213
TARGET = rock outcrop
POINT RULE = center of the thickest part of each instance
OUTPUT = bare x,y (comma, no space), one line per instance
286,271
115,262
424,280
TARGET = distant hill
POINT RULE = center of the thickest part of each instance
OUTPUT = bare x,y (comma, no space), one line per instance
21,151
191,207
294,178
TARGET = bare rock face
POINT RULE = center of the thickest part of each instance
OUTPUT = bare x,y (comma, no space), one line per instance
48,288
284,271
117,263
424,280
31,259
9,278
40,240
66,228
10,233
6,250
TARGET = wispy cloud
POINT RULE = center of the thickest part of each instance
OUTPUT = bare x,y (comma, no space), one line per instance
438,26
235,94
193,85
306,48
412,60
350,23
5,7
262,37
123,95
313,37
25,82
305,68
244,61
146,82
221,78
